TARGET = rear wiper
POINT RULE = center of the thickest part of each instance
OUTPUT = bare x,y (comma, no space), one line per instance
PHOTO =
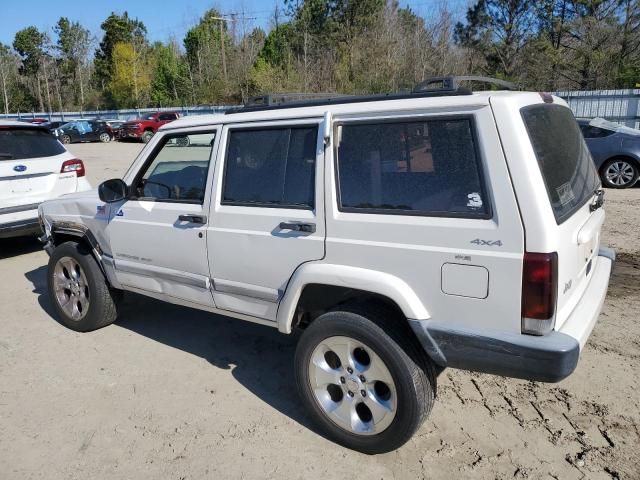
598,201
8,156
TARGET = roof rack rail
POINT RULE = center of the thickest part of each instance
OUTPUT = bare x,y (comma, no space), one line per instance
452,83
432,87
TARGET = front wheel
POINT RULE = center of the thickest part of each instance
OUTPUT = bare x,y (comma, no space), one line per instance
78,290
147,136
619,173
363,378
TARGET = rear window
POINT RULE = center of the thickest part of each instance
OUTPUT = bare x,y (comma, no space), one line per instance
21,143
425,167
565,162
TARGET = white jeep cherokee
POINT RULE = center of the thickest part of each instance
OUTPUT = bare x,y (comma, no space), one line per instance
401,234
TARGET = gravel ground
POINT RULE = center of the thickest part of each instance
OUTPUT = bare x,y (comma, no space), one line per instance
174,393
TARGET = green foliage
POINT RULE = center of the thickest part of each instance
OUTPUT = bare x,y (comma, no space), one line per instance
29,43
117,29
344,46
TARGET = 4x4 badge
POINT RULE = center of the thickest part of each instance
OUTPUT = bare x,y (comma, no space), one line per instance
488,243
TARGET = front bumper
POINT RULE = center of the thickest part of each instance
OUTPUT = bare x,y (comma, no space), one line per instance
21,228
548,358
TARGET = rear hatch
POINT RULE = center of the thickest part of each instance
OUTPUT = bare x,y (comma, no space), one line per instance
572,187
31,161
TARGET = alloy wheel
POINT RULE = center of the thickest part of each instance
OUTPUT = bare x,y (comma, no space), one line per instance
71,288
352,385
620,173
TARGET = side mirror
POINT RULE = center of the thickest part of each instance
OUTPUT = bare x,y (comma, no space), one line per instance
112,190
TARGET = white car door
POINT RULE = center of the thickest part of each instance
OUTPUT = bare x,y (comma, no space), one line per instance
268,215
157,236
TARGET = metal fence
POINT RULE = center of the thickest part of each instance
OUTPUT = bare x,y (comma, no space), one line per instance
129,114
621,106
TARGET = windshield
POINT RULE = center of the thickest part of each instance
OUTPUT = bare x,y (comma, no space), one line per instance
615,127
565,162
21,143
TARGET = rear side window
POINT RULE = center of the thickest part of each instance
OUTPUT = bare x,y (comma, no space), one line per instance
273,167
565,162
22,143
594,132
413,168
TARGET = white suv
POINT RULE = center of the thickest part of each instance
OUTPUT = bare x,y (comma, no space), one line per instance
34,167
400,234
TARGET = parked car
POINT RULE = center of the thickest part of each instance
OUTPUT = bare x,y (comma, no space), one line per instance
615,150
144,128
116,127
400,234
35,121
53,126
85,131
34,167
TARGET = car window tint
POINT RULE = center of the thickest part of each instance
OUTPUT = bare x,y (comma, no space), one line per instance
568,171
178,172
167,116
421,168
21,143
271,167
589,131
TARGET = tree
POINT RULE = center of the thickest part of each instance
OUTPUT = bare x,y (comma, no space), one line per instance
170,84
73,45
29,44
498,30
130,80
117,29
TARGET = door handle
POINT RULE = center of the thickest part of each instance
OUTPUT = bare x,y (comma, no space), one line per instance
202,219
298,226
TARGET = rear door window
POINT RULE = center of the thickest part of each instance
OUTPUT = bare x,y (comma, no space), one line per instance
22,143
271,167
421,167
568,171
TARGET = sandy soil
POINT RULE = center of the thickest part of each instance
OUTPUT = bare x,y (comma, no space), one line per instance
174,393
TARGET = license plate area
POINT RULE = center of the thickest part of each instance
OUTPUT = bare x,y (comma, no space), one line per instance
22,185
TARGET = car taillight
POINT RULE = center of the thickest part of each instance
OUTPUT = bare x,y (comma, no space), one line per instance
74,165
539,290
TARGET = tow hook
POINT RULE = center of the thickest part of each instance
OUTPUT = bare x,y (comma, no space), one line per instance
598,201
48,244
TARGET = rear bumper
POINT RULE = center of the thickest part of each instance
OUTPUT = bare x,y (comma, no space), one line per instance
548,358
20,228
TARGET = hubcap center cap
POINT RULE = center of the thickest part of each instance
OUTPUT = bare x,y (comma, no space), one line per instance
353,384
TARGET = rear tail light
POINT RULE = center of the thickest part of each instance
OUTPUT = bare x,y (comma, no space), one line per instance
74,165
539,290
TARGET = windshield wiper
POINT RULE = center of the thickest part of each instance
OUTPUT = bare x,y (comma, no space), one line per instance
598,201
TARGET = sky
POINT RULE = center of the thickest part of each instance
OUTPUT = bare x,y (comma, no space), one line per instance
163,18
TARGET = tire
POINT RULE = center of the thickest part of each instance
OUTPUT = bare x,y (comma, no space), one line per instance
147,136
182,141
619,172
66,139
105,137
74,274
401,397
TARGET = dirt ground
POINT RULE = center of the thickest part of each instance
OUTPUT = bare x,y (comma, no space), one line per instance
174,393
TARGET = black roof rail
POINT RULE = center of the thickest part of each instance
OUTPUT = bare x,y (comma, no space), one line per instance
452,83
432,87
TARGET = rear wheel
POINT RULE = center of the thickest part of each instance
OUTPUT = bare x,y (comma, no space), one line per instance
65,139
363,378
147,136
105,137
79,292
619,173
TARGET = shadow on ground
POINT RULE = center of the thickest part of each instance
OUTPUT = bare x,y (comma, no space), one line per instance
259,357
13,247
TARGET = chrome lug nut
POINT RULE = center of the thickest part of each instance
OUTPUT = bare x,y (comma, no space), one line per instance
342,380
350,393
